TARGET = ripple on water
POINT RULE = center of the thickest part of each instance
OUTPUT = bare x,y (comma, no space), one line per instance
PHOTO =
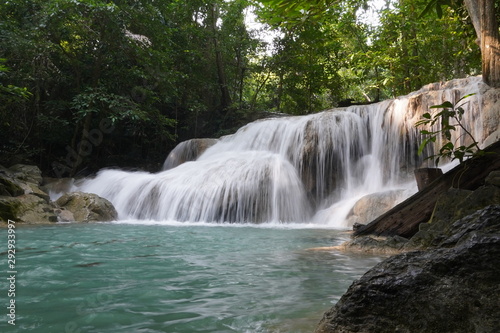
114,278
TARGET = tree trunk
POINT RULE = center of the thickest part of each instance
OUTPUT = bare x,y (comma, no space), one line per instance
490,44
482,14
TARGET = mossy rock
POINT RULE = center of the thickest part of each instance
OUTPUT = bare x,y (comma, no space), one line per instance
27,173
452,206
87,207
8,208
26,208
10,187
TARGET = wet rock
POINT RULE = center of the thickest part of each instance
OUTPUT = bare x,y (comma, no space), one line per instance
86,207
21,198
9,185
64,215
441,290
27,173
372,206
375,245
186,151
493,178
490,104
448,285
485,221
450,208
26,208
21,179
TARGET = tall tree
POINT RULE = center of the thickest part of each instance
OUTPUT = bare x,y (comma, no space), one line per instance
483,14
484,19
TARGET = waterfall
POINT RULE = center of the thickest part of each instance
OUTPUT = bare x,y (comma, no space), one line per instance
250,186
291,169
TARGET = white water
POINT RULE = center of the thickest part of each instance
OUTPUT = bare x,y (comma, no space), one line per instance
296,169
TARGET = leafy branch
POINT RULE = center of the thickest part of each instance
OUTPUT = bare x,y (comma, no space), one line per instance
449,149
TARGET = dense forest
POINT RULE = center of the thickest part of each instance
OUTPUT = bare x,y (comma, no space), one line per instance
86,84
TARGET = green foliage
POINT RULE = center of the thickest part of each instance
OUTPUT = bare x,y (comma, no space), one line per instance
392,58
166,71
10,93
437,5
449,119
149,67
97,101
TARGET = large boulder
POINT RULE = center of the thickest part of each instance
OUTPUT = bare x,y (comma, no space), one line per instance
21,179
21,198
27,173
85,207
28,208
372,206
9,185
443,290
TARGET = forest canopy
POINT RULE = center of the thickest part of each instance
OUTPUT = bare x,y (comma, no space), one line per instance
86,84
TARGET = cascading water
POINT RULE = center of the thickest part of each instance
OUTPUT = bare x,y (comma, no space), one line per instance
250,186
293,169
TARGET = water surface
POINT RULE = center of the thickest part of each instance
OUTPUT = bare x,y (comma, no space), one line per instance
176,277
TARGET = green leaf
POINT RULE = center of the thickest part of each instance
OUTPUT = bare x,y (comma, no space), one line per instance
447,147
428,8
446,104
459,155
464,97
422,147
439,10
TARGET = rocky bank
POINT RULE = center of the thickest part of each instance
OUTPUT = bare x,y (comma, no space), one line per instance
445,279
24,198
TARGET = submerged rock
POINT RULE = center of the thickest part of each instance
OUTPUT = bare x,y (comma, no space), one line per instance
374,245
440,290
85,207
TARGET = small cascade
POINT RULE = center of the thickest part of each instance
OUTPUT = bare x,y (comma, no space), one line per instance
294,169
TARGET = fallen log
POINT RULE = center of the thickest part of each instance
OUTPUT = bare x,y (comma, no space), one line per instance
404,219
